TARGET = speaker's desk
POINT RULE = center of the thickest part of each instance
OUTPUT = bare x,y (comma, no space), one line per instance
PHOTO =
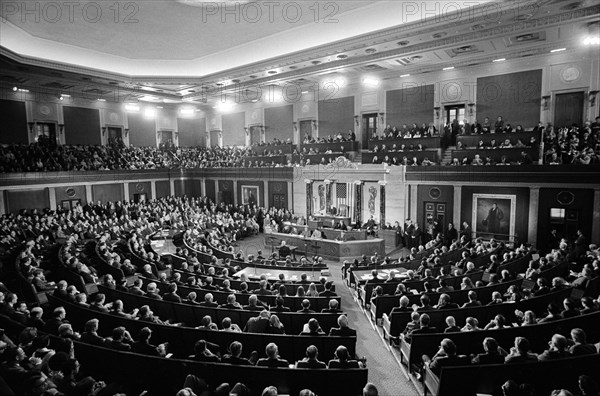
330,249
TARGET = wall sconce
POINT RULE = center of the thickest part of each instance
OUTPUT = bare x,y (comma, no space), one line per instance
381,118
545,101
103,131
246,130
61,128
295,126
356,120
592,98
126,132
31,125
176,134
471,105
437,111
315,124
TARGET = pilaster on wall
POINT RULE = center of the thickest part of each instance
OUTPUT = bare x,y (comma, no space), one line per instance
534,199
171,187
596,218
153,189
52,198
2,203
89,197
413,202
456,207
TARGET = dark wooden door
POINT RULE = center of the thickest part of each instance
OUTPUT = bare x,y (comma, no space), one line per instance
305,129
279,201
369,128
568,109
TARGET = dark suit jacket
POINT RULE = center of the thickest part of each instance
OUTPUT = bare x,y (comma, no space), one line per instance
144,348
334,363
487,358
447,361
284,251
91,338
265,362
425,330
311,364
257,325
342,332
236,360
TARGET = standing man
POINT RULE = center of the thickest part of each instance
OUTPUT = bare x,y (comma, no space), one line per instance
467,232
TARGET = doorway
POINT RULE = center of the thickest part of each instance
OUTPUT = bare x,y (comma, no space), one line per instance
568,109
369,129
455,112
434,211
141,197
46,134
305,129
279,201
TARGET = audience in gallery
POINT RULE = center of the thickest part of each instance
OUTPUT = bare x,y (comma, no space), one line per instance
566,145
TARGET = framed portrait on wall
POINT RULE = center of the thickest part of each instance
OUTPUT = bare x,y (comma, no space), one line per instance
494,216
250,195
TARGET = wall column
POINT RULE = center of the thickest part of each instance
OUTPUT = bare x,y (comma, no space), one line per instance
328,196
52,198
152,189
88,193
290,191
382,203
358,187
203,187
596,217
171,187
126,191
265,194
2,203
413,203
456,207
534,203
309,193
235,193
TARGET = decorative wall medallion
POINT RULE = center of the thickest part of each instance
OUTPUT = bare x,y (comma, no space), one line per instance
139,187
570,74
254,115
114,117
44,110
435,193
305,108
277,187
565,197
70,192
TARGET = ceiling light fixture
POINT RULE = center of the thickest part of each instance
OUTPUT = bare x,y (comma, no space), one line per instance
373,82
404,75
132,107
558,50
101,100
150,112
499,60
448,68
591,40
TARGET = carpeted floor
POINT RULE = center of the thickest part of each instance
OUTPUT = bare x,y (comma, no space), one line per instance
384,371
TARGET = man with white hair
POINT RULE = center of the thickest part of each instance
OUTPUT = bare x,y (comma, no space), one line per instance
343,330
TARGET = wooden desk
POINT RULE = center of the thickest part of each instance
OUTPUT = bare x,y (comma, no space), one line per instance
312,224
330,220
313,274
333,234
331,249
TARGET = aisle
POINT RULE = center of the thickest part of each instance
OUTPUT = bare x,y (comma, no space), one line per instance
384,371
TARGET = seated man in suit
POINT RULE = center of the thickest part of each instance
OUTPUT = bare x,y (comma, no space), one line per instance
311,360
342,359
333,307
258,324
370,226
445,357
284,251
424,328
343,330
272,359
494,354
333,210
